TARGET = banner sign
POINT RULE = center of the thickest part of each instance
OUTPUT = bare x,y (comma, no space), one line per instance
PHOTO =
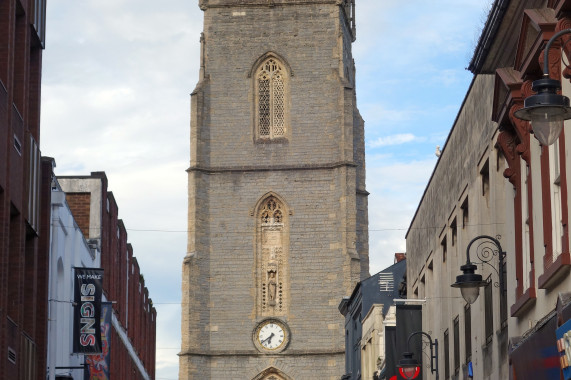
563,335
98,365
87,311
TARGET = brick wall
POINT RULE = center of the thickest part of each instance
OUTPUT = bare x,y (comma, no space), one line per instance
23,271
80,204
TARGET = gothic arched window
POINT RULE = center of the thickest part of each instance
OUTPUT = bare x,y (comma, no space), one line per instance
271,99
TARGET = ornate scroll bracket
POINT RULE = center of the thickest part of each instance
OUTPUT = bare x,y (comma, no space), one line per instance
486,251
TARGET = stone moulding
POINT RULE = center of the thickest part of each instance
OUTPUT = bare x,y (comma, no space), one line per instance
227,169
272,373
267,55
205,4
255,353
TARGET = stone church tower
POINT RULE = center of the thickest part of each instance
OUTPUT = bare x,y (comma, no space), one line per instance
277,202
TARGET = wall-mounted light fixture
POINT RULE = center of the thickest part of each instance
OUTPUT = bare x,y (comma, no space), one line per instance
546,109
409,368
470,282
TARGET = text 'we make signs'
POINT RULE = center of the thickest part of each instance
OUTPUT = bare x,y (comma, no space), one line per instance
87,311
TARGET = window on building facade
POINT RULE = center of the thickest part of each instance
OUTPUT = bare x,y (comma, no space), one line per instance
556,218
485,176
444,249
456,344
40,20
468,332
446,355
526,256
429,278
465,213
488,310
271,99
28,359
555,215
504,297
454,232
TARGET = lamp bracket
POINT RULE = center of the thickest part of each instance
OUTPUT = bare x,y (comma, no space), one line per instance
433,350
486,251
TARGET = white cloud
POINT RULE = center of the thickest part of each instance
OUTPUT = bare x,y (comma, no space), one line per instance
395,190
392,140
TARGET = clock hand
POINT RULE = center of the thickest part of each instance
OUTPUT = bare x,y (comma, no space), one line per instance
267,339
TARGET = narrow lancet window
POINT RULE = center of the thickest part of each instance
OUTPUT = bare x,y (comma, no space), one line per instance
271,107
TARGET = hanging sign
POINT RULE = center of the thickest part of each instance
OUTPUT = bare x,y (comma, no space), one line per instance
99,365
87,311
563,335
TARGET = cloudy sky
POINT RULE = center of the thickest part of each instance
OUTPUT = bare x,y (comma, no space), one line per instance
115,97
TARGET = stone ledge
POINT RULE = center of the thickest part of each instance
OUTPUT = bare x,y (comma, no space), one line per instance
259,354
556,272
248,168
205,4
523,303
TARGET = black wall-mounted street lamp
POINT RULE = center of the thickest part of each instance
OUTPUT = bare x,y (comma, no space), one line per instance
409,368
470,282
546,109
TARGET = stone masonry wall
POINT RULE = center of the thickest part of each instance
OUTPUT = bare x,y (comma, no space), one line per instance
470,136
317,171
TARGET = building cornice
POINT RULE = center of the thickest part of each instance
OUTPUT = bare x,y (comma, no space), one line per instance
205,4
253,353
265,168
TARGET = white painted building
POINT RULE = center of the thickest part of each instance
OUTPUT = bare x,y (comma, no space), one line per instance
68,249
494,178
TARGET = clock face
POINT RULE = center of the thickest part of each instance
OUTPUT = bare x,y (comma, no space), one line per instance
271,335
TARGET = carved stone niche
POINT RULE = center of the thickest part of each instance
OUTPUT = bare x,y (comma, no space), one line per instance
272,277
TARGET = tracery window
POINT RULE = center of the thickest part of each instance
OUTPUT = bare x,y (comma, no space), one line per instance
271,83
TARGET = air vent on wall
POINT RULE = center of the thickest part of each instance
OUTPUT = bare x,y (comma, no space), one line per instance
386,282
17,145
11,355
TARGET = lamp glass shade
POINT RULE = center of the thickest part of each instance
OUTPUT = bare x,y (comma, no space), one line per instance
470,293
547,123
409,372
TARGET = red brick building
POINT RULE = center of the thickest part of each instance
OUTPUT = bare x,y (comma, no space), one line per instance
25,198
133,339
23,272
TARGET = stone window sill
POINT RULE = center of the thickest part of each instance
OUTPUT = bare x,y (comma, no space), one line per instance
522,304
556,272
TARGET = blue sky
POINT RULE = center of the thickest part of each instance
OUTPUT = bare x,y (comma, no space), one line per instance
115,97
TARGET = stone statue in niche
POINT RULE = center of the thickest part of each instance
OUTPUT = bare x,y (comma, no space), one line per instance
272,287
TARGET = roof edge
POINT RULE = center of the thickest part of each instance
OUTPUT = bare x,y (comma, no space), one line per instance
493,22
